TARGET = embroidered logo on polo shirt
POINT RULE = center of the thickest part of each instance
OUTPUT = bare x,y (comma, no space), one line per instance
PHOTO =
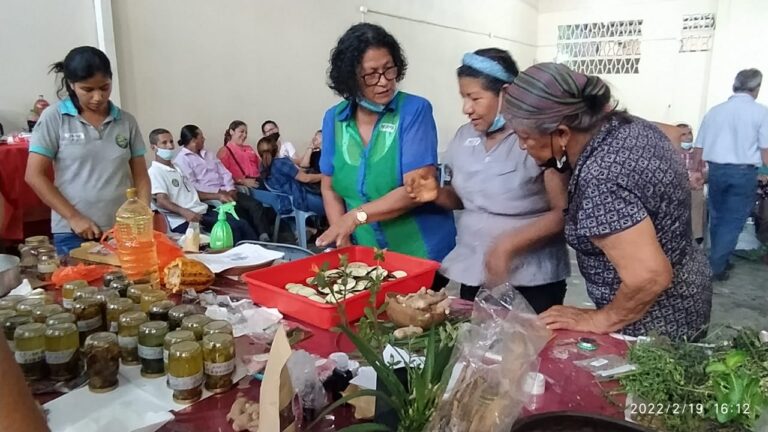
121,141
74,136
175,182
387,127
471,142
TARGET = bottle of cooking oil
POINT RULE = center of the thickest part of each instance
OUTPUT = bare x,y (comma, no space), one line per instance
135,240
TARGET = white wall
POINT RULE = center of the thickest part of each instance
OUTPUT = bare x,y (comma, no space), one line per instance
203,62
671,86
33,35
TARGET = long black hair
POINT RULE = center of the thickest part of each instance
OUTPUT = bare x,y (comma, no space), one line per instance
187,134
80,64
348,54
489,83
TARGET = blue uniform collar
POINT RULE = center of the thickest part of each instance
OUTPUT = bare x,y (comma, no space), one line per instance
67,107
347,111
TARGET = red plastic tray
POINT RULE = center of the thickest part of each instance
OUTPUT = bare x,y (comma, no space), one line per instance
267,286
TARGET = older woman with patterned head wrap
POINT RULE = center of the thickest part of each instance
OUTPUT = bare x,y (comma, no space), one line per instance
628,215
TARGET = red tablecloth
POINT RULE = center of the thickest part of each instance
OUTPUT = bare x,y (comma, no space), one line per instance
21,203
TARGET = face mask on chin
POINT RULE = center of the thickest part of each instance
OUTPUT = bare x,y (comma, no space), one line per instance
499,121
165,154
561,165
686,145
373,106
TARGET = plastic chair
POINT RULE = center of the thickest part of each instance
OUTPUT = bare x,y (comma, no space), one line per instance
292,252
272,199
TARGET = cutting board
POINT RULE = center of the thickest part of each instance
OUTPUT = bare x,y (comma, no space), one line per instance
83,253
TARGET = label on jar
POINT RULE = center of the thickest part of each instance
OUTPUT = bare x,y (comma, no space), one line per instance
89,324
128,341
47,268
165,356
58,357
150,353
67,303
218,369
113,326
185,383
25,357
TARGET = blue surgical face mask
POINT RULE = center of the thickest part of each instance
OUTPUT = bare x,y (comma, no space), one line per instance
686,145
165,154
499,121
373,106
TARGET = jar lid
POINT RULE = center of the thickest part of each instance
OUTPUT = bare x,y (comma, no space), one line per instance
215,340
17,320
101,339
48,310
185,347
106,295
61,318
341,360
47,248
179,336
133,318
86,302
86,291
79,283
29,304
217,326
152,327
29,330
120,303
120,284
5,314
196,320
36,240
162,305
62,329
183,310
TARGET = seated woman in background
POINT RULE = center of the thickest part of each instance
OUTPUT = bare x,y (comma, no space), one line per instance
238,157
279,174
311,158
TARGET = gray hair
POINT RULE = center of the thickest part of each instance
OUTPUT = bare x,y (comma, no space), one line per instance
747,81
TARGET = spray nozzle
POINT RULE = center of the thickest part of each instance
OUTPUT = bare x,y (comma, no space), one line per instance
227,208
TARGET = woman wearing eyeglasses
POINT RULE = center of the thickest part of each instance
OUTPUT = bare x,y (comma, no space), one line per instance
374,141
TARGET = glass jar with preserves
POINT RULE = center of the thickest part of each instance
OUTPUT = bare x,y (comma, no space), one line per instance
61,318
151,340
10,302
68,292
62,344
195,324
134,291
178,313
175,337
102,361
158,311
121,286
185,372
103,297
42,313
4,315
112,276
45,296
219,360
47,263
26,307
115,308
217,326
151,296
87,313
84,292
30,350
128,336
10,326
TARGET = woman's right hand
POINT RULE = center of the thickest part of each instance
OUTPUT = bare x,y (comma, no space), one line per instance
85,227
421,185
249,183
225,197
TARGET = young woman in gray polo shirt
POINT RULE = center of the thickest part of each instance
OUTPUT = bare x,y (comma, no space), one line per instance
96,151
511,227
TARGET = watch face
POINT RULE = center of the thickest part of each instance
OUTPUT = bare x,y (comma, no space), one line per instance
362,216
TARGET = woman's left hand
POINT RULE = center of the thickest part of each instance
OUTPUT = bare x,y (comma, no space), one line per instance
249,183
339,232
577,319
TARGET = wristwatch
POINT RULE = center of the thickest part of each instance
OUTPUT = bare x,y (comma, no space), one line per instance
361,217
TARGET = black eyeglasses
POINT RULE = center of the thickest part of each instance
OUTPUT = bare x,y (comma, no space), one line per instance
373,78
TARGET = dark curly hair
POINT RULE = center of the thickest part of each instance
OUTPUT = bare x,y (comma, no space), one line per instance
491,84
349,51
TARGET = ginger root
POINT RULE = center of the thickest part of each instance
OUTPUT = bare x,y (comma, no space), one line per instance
406,332
244,415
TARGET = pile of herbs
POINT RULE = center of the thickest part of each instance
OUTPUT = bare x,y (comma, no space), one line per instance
719,385
414,402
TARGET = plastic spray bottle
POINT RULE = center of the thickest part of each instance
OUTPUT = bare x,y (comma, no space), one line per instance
221,234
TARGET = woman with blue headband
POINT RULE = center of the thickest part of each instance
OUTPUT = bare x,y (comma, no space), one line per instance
511,229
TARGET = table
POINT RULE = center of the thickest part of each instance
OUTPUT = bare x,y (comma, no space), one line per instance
21,203
568,387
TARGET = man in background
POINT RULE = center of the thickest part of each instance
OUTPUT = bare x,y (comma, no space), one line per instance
733,141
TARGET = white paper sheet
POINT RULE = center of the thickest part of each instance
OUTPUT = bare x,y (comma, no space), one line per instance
366,378
137,404
245,255
23,289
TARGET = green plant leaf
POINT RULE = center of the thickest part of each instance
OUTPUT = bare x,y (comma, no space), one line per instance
366,427
716,367
734,359
344,399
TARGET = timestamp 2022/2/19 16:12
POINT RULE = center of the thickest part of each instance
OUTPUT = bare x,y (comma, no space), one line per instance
687,408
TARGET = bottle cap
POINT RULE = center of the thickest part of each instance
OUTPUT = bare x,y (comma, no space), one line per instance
341,360
534,383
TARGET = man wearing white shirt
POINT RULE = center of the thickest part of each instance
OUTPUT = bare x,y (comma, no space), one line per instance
733,141
285,149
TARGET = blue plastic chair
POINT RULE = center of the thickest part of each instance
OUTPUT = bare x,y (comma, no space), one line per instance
273,199
292,252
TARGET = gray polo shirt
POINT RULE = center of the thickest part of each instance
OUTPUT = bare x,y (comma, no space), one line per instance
502,190
91,165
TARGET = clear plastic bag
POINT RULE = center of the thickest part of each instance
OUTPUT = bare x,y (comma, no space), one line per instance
493,355
306,383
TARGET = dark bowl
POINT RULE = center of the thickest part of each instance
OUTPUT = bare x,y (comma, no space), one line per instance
567,421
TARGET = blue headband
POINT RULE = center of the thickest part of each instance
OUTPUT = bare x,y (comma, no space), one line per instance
486,66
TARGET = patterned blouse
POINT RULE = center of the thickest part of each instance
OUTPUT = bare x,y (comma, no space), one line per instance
626,173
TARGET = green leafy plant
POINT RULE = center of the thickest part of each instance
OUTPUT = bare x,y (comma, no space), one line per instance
414,402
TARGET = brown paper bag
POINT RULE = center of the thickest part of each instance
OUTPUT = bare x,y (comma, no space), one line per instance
276,395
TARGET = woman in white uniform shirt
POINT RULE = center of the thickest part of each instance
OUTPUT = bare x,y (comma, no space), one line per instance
511,229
